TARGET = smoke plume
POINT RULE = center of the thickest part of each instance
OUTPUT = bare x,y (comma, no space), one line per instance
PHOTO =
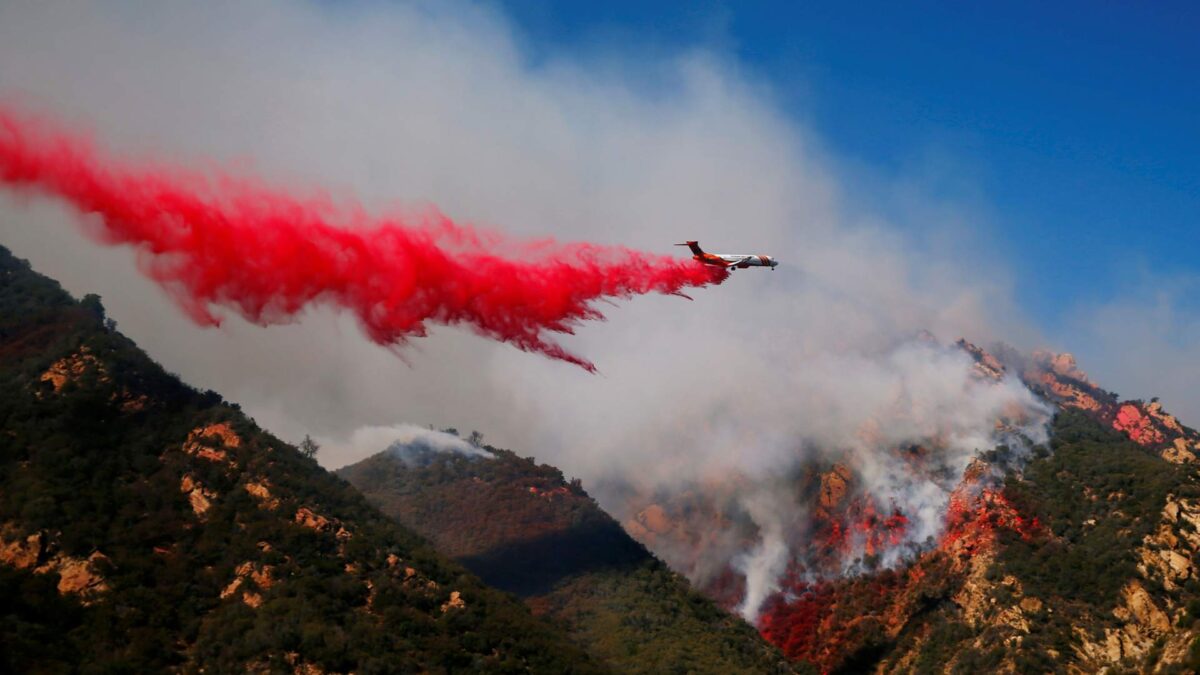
717,404
229,241
409,442
850,464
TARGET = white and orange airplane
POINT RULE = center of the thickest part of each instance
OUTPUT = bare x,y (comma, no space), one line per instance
729,261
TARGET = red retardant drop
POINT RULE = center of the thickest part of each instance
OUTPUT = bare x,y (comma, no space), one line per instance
219,240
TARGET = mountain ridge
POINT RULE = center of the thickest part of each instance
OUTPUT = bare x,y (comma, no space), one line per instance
145,525
524,528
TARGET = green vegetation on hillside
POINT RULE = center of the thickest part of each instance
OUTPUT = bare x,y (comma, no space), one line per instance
219,551
522,527
1100,494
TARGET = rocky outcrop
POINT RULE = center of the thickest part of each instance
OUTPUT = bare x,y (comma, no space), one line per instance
78,575
1142,623
1181,451
1148,425
1061,380
37,553
261,490
1166,421
200,497
972,598
1168,556
134,404
71,368
211,442
312,520
1139,608
1161,558
107,499
1184,443
987,366
21,552
1146,621
1058,377
412,579
251,579
1062,364
1139,427
455,602
306,517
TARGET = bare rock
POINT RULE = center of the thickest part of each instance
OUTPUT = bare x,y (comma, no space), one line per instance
199,497
455,602
261,490
199,440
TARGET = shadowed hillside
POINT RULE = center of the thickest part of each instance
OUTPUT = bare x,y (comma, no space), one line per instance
523,528
147,526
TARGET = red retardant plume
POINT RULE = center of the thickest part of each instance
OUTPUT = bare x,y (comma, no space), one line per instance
219,240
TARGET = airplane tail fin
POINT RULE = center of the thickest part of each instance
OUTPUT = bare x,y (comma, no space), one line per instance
694,245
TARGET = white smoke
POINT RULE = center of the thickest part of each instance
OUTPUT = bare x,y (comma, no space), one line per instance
766,562
401,439
439,102
854,408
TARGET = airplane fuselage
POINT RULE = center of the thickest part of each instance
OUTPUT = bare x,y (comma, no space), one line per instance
741,261
729,261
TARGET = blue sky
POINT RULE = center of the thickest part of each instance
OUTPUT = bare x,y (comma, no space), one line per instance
1077,124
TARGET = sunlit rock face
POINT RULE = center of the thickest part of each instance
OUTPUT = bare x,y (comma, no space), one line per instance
1062,382
1057,377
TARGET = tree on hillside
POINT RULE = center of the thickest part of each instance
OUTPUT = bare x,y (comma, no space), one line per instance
309,447
91,302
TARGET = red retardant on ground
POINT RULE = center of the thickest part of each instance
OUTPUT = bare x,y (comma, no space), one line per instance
1139,427
863,528
218,240
823,621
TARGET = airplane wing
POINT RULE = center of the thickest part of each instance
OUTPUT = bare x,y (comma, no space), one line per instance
739,261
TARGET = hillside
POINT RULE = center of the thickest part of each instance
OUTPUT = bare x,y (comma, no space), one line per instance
523,528
1083,561
1079,557
147,526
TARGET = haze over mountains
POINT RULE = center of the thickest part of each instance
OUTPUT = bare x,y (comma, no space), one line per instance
793,447
147,525
1076,552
